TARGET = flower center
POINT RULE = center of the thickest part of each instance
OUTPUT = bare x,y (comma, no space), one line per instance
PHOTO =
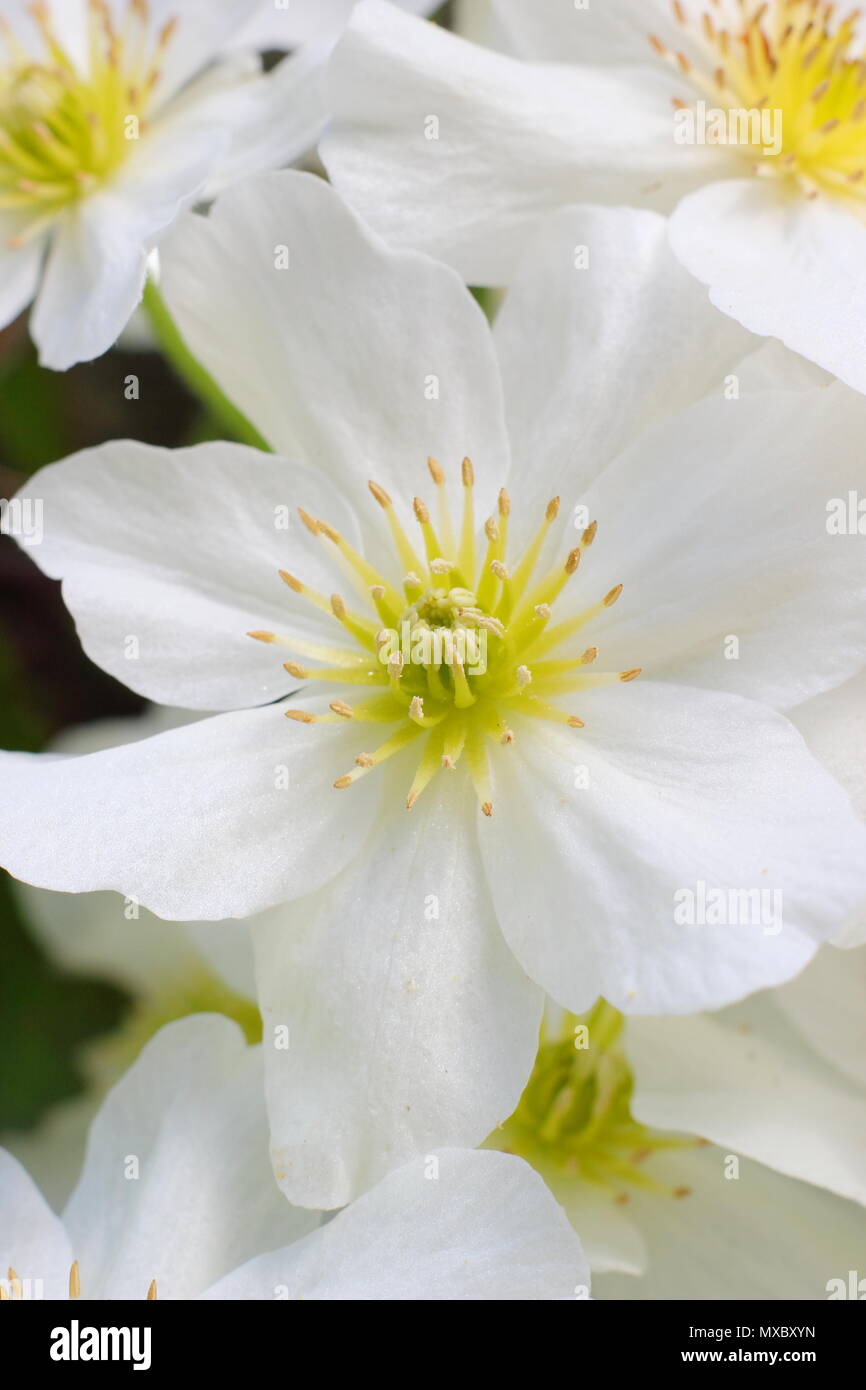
575,1114
792,83
64,129
445,656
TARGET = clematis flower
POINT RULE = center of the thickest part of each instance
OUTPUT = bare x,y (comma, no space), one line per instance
175,1200
559,807
715,1156
112,121
742,118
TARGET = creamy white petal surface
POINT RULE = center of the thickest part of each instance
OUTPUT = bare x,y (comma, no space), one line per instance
825,1005
748,1081
307,21
603,834
169,558
188,1118
33,1240
203,821
410,1024
475,1226
614,31
783,265
625,339
758,1235
511,141
409,371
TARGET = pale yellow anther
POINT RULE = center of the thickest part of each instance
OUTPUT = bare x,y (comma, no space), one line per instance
589,534
611,597
437,473
491,530
338,606
310,522
523,676
630,675
420,510
380,495
74,1280
552,509
299,672
300,716
152,1292
340,707
504,503
467,473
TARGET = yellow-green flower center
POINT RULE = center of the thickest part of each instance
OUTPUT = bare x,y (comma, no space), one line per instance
65,128
792,78
445,657
575,1114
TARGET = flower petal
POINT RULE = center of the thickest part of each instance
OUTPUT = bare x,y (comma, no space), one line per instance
446,147
33,1241
781,264
170,558
410,371
410,1024
825,1005
20,268
615,31
717,522
746,1080
626,339
595,838
176,1184
760,1236
221,818
461,1226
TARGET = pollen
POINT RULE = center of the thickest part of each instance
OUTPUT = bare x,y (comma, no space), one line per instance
463,652
791,77
66,126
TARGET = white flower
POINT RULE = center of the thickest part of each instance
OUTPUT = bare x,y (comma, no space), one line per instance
176,1201
111,121
715,1156
406,952
451,148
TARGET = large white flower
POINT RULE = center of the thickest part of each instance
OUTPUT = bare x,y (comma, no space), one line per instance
452,148
175,1200
113,119
712,1156
405,952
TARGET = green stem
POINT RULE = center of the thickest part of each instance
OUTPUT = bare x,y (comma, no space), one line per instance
193,374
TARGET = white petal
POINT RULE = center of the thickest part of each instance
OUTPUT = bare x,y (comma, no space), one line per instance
33,1241
749,1083
303,21
717,524
176,1185
284,114
615,31
53,1153
825,1004
367,361
513,141
684,787
170,558
611,1240
410,1023
95,272
758,1236
626,339
475,1226
20,269
197,823
783,265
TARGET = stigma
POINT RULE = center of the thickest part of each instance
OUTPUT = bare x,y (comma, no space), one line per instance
449,658
789,76
65,127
